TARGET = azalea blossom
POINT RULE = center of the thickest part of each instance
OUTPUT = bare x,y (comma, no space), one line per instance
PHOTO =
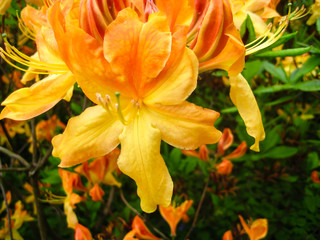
82,233
29,102
257,230
139,231
173,214
315,10
138,107
259,11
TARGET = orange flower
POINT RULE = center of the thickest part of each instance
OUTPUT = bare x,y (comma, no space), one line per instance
238,152
225,141
256,230
315,177
71,181
227,235
100,169
139,231
96,193
202,154
173,215
82,233
225,167
137,108
46,129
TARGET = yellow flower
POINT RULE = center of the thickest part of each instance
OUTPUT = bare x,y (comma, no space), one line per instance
154,73
258,10
315,9
30,102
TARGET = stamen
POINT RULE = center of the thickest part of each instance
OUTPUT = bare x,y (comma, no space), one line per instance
105,103
266,40
25,29
119,111
40,67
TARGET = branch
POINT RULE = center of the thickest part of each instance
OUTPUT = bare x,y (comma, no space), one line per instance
34,142
16,156
198,209
143,218
41,162
6,203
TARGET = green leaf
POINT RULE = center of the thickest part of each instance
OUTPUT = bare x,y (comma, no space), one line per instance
285,52
276,72
318,25
307,67
312,161
310,203
273,89
309,86
252,69
247,27
281,152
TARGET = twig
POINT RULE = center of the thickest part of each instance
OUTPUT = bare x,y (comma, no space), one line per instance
106,210
199,208
13,169
6,203
16,156
41,162
128,204
143,218
34,142
40,215
85,101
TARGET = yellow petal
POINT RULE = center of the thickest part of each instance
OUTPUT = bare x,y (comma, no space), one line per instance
4,5
185,126
140,159
259,228
27,103
243,98
177,83
72,219
94,133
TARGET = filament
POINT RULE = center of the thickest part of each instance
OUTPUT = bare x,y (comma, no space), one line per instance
14,54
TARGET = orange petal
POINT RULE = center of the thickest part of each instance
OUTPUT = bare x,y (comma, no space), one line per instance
143,48
227,235
82,233
238,152
96,193
218,44
225,141
94,133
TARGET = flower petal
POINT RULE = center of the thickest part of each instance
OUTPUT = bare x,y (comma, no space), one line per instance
144,48
94,133
185,126
177,83
243,98
140,159
27,103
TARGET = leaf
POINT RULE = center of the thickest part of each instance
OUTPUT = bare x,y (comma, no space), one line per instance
272,139
318,25
247,27
252,69
285,53
307,67
273,89
276,72
281,152
310,203
312,161
309,86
